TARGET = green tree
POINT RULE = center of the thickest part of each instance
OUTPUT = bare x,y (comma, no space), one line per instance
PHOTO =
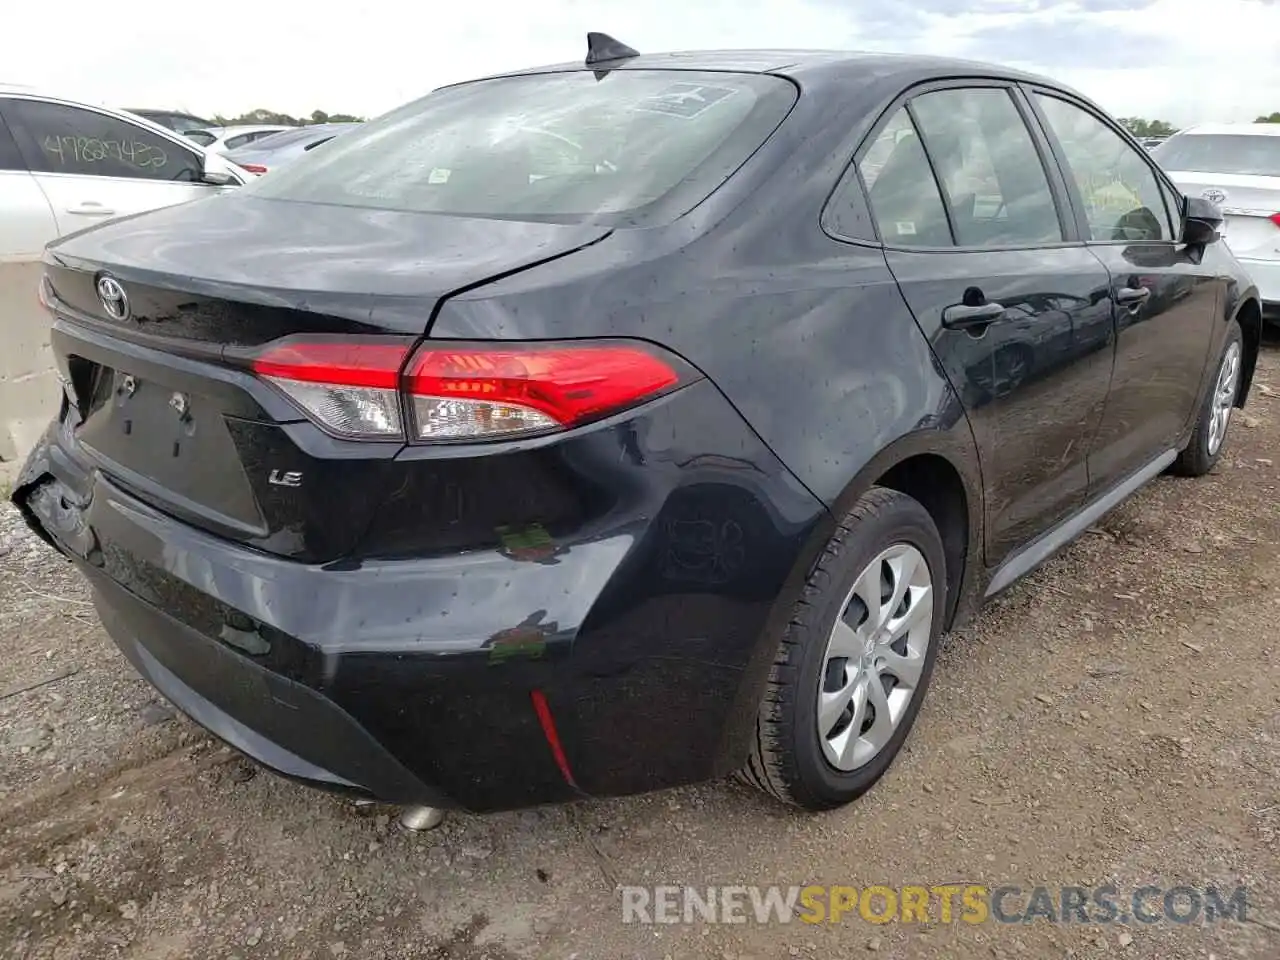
1274,118
1140,127
284,119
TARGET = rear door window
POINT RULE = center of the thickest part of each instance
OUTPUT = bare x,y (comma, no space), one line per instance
10,159
905,201
994,181
563,146
60,138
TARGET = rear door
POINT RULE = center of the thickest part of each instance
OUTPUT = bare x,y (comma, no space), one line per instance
1164,303
26,219
94,166
28,390
975,229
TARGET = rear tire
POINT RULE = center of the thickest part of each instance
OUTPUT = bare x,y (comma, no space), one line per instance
1210,433
808,750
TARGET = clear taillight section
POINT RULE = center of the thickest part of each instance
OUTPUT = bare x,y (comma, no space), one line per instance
364,388
350,387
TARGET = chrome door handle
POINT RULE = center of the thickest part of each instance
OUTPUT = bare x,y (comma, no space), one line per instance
961,316
1132,296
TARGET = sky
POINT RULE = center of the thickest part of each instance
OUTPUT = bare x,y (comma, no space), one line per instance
1186,61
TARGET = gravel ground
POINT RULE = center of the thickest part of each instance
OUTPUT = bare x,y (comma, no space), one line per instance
1115,718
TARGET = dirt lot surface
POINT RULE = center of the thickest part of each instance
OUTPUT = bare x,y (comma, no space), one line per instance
1113,719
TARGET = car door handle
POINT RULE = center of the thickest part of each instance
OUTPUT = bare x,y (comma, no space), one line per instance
960,316
1132,296
91,209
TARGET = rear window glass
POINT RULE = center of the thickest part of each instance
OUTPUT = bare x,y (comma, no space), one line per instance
563,146
1258,155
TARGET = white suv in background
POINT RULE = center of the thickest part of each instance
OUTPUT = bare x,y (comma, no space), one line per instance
64,166
1237,166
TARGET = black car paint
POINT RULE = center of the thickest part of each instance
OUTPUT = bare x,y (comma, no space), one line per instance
401,607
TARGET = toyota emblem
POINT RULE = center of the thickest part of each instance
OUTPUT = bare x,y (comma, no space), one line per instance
114,300
1214,195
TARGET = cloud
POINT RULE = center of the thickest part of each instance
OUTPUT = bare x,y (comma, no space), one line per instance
1093,45
1184,60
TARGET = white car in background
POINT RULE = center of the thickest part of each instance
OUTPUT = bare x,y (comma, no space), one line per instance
225,139
66,165
1237,166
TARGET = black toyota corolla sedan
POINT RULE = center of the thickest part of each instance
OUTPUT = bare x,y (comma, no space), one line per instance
620,424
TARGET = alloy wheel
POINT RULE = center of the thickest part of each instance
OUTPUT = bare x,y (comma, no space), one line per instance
1224,396
875,656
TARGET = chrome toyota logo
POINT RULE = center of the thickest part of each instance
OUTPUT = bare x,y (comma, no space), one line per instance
114,300
1214,195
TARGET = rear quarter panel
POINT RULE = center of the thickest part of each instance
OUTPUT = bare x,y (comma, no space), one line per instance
808,337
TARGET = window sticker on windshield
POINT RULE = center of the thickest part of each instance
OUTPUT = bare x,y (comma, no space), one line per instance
685,100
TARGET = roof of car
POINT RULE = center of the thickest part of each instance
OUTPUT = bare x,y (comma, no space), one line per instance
1247,129
799,63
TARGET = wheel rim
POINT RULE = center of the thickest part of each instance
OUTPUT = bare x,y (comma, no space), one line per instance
875,657
1224,395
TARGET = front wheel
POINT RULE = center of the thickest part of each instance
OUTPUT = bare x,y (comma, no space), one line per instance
855,659
1210,431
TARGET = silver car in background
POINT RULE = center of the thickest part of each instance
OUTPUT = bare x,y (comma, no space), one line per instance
279,148
1237,166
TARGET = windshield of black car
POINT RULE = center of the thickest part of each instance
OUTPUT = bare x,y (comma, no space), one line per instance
547,146
1238,153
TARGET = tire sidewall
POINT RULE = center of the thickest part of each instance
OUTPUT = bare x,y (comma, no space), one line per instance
1234,336
907,522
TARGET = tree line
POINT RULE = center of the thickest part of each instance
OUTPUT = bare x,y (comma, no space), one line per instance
1162,128
1148,128
284,119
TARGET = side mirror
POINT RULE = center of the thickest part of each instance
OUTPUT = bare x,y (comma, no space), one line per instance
1201,219
217,172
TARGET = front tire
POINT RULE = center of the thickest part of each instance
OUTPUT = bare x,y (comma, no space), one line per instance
1210,433
855,660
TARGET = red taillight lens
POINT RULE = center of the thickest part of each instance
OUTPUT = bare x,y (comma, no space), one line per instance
347,385
1275,218
257,168
482,392
352,386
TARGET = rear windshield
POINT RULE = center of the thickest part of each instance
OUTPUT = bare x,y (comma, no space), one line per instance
1258,154
559,146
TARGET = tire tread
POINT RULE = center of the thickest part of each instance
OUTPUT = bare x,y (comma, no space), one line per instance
768,767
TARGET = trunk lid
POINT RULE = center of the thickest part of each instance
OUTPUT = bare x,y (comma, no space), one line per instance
1248,202
162,403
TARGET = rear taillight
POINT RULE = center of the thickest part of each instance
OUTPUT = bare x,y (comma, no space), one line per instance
461,393
257,168
1275,218
348,386
365,388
